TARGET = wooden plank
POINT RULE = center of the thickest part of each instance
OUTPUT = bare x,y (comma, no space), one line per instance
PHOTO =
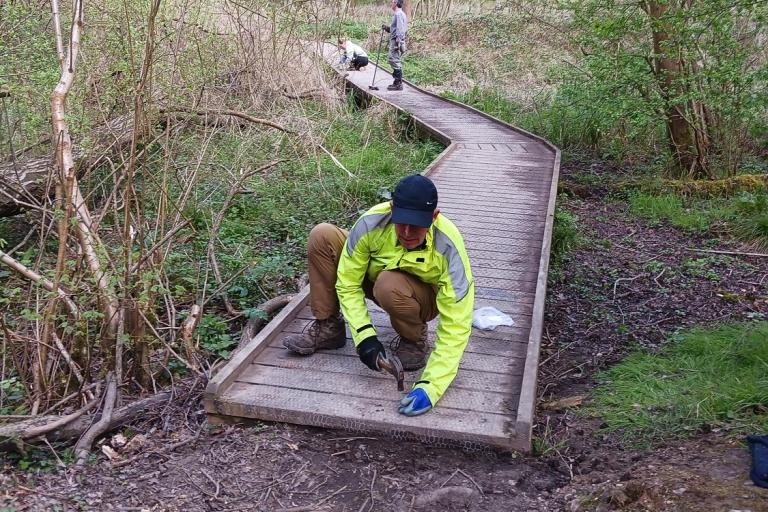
502,177
530,185
501,192
488,292
454,178
520,313
458,161
513,262
519,247
495,342
518,274
503,200
496,210
377,414
345,361
457,215
332,363
470,183
510,228
499,178
374,385
490,237
514,285
492,162
341,361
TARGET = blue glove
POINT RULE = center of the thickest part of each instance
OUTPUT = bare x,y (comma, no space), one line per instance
414,403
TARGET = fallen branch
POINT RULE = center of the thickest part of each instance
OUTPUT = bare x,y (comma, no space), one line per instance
629,279
30,430
734,253
41,428
233,113
257,322
38,279
336,161
312,93
83,446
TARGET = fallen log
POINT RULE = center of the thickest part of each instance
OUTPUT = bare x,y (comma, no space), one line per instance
14,436
24,184
267,310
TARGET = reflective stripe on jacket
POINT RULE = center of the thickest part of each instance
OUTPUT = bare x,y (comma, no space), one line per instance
372,247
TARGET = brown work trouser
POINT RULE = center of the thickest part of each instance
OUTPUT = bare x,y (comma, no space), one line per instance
410,302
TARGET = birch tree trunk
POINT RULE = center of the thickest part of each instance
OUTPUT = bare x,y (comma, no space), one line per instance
70,197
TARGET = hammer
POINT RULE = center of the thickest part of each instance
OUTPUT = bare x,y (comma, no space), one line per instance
391,364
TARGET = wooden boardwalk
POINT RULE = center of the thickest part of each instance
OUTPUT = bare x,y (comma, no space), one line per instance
498,184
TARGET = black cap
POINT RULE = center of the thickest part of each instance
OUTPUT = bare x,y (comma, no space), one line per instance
414,201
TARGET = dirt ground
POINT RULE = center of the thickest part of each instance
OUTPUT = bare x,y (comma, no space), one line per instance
627,286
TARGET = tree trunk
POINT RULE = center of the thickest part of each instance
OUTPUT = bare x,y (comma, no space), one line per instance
688,145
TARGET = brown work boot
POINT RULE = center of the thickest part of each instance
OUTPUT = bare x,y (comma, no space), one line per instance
413,354
319,335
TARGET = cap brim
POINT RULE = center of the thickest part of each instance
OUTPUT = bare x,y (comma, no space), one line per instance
412,217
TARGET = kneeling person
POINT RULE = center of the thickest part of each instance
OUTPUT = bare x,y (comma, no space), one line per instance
352,53
409,259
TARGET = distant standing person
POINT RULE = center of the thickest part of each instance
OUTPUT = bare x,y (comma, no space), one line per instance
397,30
352,54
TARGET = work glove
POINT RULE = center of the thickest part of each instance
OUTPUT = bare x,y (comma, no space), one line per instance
414,403
385,28
401,46
369,351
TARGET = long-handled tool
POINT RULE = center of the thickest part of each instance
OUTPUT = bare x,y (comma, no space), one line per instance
378,54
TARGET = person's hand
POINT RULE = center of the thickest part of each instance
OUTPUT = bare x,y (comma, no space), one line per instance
369,351
385,28
401,46
414,403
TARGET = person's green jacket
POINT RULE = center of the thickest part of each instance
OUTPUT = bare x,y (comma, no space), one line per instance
372,247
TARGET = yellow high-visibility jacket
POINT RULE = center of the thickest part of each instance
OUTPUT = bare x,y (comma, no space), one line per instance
372,247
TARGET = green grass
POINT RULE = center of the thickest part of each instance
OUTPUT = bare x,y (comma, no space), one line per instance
704,378
744,214
751,221
428,69
565,236
669,208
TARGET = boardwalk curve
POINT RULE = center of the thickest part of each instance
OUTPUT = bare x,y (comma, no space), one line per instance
498,184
